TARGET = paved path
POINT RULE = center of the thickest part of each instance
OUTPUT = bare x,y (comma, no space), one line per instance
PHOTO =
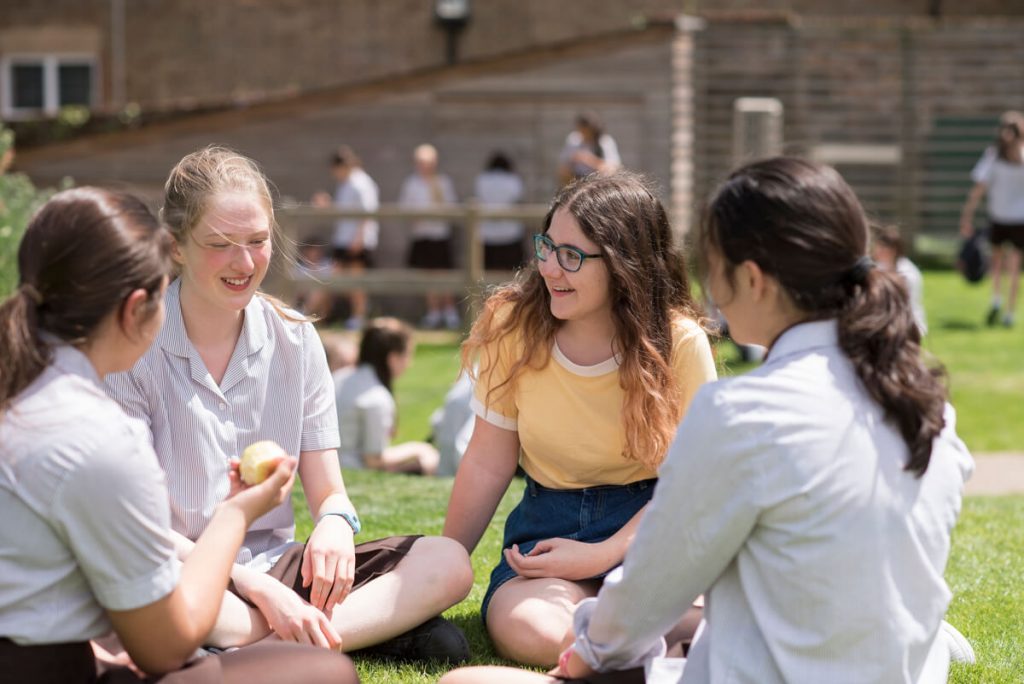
996,474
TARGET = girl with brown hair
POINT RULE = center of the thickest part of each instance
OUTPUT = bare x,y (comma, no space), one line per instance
587,361
85,544
1000,174
811,499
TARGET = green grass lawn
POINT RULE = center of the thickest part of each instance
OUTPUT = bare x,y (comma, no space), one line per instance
986,572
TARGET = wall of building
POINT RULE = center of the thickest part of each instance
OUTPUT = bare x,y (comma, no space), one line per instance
189,53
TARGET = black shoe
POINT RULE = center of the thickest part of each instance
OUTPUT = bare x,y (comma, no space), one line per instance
993,316
435,639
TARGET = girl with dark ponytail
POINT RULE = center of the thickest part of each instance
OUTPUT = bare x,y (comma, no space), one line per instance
812,499
85,545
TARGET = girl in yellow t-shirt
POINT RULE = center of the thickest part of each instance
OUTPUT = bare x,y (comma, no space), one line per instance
587,362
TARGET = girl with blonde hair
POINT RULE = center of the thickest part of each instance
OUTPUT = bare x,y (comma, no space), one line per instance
231,367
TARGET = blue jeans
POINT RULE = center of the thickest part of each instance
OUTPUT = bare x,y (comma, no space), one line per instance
588,515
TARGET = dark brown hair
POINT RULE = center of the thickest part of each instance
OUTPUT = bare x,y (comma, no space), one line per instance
802,224
82,254
381,337
649,290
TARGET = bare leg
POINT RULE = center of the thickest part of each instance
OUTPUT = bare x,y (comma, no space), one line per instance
997,270
411,457
527,618
237,624
495,675
434,576
1012,259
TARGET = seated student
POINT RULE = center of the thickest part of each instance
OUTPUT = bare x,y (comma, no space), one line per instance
452,425
232,366
587,361
888,252
85,539
367,413
812,498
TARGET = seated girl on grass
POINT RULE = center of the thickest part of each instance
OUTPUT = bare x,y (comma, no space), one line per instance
367,413
811,499
587,361
231,367
86,547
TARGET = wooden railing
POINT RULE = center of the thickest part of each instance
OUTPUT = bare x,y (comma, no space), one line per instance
468,280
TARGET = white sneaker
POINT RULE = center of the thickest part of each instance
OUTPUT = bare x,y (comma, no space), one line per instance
960,650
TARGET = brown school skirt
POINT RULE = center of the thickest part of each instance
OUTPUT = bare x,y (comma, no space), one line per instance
373,559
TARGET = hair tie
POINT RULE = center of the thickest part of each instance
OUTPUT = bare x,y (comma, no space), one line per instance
858,273
30,291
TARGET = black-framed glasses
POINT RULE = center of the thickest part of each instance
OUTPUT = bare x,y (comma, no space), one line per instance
569,258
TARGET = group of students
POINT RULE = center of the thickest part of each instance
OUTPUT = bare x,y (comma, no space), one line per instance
587,149
792,524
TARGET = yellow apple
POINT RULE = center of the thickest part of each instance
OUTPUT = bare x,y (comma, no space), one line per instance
259,460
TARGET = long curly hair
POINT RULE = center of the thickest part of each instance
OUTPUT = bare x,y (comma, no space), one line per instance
650,292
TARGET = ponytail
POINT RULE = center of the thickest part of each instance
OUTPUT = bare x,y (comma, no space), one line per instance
879,335
25,354
82,254
803,225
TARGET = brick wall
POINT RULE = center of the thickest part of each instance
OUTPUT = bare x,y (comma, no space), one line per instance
197,52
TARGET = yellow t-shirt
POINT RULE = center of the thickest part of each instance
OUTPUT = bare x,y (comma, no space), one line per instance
569,417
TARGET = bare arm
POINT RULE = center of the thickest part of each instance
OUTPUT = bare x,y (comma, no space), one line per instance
328,563
162,635
483,476
967,214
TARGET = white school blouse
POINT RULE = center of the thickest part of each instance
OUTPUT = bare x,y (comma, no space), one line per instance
359,191
1005,182
366,414
277,386
84,523
420,193
784,498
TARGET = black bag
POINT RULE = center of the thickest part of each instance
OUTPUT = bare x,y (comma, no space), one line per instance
972,260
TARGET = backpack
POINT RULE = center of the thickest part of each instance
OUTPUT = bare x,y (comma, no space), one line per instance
972,259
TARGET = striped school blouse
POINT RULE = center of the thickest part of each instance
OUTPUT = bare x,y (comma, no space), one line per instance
277,386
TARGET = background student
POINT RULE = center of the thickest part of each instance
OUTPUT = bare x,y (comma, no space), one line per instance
1000,174
367,412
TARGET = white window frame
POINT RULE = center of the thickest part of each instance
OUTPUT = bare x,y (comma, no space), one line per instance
51,62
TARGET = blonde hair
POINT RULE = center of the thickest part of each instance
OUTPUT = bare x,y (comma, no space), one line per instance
207,173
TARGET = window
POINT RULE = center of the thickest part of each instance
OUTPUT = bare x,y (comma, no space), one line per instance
39,85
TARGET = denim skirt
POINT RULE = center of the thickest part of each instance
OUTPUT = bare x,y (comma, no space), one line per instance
591,514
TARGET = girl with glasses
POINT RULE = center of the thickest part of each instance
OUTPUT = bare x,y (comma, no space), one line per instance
587,362
86,548
811,499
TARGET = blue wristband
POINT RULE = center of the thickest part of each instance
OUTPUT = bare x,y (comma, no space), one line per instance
349,516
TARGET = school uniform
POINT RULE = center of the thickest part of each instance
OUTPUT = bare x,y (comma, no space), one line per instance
86,530
785,500
277,386
366,414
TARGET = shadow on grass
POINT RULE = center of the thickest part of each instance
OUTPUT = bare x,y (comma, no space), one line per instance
959,324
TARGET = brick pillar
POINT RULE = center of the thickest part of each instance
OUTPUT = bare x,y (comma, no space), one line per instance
683,121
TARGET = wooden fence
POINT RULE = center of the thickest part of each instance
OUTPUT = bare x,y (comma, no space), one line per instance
299,223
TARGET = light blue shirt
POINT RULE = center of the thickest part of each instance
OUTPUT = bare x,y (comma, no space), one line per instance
784,498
